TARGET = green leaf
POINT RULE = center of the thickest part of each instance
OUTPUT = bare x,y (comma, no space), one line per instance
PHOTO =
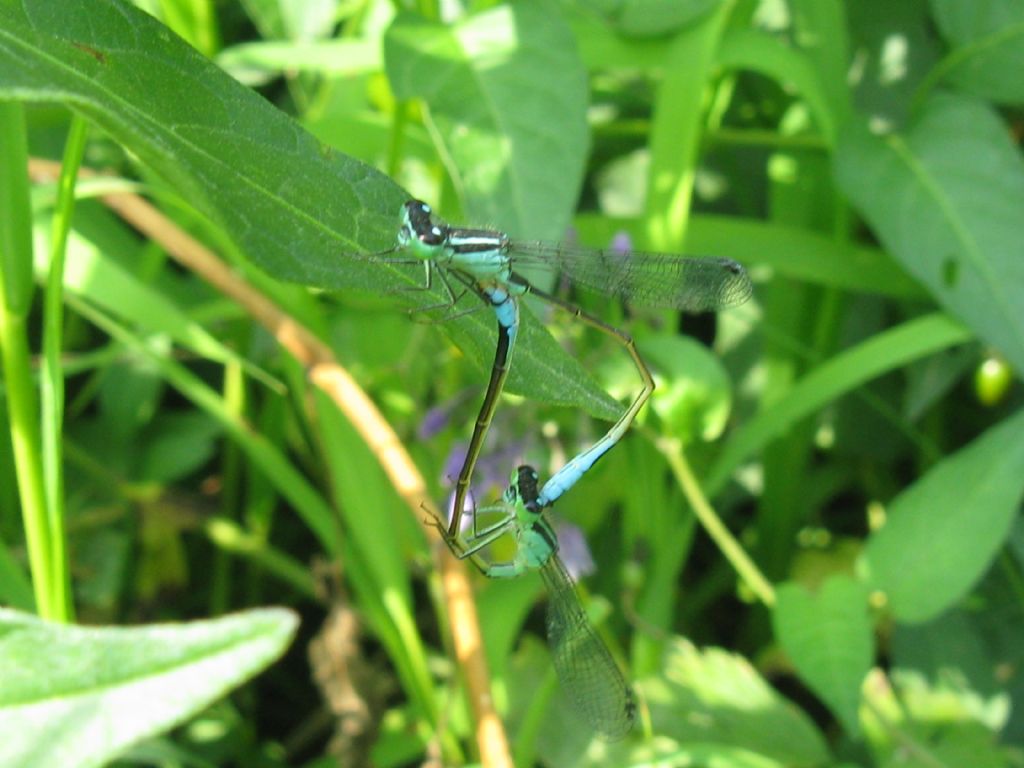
972,642
375,548
77,696
175,444
945,199
822,31
296,208
258,62
693,397
15,588
827,636
677,126
91,273
715,699
912,722
224,148
508,98
896,50
659,17
768,55
130,393
988,46
843,373
944,530
293,19
972,645
601,45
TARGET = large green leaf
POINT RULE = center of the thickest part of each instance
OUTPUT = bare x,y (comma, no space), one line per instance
659,17
508,95
292,205
988,46
842,374
896,50
980,638
821,32
946,200
78,696
943,531
914,722
377,564
695,397
827,636
711,702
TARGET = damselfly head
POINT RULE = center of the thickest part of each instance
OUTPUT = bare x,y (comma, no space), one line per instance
419,227
523,487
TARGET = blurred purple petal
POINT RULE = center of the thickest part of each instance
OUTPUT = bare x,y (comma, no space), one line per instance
490,476
468,510
453,464
622,242
438,417
495,469
433,422
573,549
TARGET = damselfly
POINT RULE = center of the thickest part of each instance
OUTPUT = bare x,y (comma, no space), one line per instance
582,661
486,261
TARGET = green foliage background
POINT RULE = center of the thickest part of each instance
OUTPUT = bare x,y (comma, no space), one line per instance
856,426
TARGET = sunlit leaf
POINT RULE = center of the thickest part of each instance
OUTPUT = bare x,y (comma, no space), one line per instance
944,530
827,636
945,199
79,696
508,95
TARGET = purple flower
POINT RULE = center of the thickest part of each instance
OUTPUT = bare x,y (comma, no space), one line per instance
438,417
433,422
573,549
622,242
490,476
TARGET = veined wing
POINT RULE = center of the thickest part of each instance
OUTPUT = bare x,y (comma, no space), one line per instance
649,279
583,663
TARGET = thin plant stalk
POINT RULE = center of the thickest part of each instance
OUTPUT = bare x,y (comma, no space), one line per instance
15,302
51,383
746,568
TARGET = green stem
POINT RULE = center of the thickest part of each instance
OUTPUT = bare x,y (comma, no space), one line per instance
293,487
677,127
51,382
716,529
231,495
232,538
734,137
397,138
525,746
15,301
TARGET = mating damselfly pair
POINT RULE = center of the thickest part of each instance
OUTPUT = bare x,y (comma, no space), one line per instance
486,263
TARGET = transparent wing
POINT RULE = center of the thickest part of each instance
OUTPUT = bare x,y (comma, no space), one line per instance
650,279
583,663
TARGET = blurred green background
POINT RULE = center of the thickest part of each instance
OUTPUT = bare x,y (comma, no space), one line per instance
806,553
